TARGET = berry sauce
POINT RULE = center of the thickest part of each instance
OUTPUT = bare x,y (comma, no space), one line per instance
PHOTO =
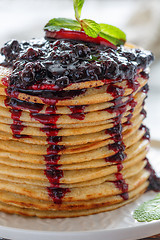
154,179
55,64
147,132
52,171
17,126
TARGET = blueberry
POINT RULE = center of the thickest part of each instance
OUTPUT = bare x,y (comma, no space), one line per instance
129,55
79,74
11,50
40,71
110,69
142,60
81,50
62,82
31,54
15,80
93,71
66,46
67,57
28,74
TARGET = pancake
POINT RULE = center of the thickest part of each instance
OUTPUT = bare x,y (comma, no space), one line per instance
76,194
100,94
20,147
72,146
69,176
128,172
26,202
77,128
62,214
71,119
117,158
41,108
73,139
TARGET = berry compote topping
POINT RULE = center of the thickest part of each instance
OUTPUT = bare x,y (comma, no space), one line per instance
55,64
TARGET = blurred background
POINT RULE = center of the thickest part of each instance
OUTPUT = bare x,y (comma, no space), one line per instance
140,19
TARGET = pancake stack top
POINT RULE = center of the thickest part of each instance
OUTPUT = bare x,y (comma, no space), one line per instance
72,139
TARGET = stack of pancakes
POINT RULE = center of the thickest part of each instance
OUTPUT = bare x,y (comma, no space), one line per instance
77,153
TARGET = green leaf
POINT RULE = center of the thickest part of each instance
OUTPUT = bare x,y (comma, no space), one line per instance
91,28
78,4
59,23
112,34
148,211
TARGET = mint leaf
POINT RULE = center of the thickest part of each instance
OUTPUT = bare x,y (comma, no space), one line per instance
78,4
148,211
56,24
90,27
112,34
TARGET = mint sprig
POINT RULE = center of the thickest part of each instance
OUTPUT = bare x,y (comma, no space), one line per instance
78,4
90,27
148,211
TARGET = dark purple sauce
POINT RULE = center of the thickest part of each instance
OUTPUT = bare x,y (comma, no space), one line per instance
117,158
19,105
122,186
147,132
17,126
55,64
154,179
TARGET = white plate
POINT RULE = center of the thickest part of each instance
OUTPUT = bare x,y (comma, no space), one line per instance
116,225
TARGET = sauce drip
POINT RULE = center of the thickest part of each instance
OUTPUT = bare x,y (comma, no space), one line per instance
52,171
16,126
118,147
147,132
154,179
